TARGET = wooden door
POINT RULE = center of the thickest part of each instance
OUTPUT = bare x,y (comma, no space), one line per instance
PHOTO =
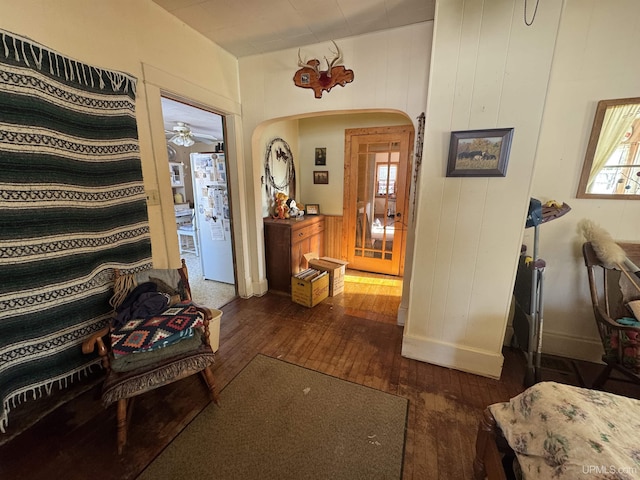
376,197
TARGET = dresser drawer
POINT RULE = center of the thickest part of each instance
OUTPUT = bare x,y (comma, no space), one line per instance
303,233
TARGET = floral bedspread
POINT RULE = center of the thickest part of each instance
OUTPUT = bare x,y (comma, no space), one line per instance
565,432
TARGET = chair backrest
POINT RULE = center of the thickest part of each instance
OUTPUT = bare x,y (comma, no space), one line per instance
609,291
172,281
606,303
604,285
610,294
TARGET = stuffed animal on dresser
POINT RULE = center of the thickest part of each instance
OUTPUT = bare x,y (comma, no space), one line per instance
281,210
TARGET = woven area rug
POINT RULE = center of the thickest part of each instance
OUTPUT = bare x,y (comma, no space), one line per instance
279,421
72,207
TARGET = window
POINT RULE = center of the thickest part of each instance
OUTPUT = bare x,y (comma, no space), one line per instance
621,172
386,179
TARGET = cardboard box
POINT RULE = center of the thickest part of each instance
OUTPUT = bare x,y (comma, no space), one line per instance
310,292
336,269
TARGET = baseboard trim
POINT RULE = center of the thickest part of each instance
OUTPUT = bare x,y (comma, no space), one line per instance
403,312
568,346
458,357
260,287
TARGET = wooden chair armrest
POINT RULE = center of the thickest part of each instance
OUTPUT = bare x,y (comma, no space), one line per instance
488,461
615,325
206,311
97,341
208,315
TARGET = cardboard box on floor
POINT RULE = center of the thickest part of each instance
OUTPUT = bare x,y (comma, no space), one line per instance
336,269
309,292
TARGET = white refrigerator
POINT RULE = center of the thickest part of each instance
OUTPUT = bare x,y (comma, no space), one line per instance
213,216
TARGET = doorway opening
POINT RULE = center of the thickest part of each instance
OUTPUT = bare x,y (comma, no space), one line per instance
200,188
376,197
325,132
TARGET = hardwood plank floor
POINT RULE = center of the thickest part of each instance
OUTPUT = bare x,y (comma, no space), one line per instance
353,336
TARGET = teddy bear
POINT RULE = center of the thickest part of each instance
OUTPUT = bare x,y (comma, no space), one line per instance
281,210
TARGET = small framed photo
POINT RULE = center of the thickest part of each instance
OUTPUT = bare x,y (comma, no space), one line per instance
312,209
321,177
321,156
479,153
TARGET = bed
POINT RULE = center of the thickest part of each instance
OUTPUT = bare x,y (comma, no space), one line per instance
559,431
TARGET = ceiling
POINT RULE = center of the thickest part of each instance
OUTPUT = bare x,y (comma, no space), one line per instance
200,121
250,27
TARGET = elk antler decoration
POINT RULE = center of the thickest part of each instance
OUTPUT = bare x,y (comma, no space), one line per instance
310,75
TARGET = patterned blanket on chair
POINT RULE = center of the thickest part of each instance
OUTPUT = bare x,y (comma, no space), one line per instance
72,207
157,331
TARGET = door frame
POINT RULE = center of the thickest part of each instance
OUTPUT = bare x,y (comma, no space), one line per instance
196,105
349,221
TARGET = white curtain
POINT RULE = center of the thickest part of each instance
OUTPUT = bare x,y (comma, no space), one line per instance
617,120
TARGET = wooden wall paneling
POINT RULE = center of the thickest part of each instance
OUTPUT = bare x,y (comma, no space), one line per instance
334,245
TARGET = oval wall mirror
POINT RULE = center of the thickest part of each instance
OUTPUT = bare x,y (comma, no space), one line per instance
612,162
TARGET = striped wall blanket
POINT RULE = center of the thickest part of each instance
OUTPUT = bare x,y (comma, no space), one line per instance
72,207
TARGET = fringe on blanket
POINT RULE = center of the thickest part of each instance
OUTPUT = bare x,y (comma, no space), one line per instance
121,288
125,388
25,50
34,392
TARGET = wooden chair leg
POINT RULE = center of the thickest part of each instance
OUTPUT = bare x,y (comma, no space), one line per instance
123,417
207,375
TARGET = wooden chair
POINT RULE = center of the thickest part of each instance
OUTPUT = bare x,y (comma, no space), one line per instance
186,231
132,375
621,343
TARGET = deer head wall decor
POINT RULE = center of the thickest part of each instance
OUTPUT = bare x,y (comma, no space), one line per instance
310,75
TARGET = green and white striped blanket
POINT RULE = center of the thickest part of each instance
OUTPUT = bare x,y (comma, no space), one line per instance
72,207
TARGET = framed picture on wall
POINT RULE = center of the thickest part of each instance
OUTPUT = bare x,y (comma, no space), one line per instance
321,156
479,153
312,209
321,177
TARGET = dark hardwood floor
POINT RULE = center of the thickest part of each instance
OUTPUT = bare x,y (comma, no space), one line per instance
353,336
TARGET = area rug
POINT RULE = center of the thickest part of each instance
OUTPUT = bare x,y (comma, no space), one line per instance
72,207
279,421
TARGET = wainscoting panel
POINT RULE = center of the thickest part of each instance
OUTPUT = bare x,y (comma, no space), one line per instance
333,244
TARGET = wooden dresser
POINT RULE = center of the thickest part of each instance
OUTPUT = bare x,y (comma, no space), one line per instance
286,241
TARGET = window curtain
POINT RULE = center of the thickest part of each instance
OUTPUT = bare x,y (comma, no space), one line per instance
617,120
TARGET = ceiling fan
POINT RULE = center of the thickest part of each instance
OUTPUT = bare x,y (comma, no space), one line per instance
182,135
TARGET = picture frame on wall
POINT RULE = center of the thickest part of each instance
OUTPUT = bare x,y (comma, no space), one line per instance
321,156
321,177
312,209
479,153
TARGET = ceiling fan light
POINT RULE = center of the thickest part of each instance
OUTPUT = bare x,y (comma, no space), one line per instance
183,136
177,140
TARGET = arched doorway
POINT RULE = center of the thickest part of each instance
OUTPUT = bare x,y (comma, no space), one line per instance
306,133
